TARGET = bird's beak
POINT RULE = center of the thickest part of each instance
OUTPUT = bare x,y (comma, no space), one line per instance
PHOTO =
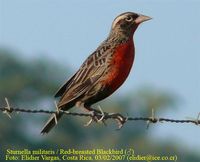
142,18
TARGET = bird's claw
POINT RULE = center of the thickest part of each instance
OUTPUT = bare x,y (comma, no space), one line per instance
88,123
93,118
121,120
97,116
102,115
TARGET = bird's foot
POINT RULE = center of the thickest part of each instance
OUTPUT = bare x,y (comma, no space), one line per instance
96,116
102,116
121,120
88,123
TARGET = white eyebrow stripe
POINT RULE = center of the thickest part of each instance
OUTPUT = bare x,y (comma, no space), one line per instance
117,19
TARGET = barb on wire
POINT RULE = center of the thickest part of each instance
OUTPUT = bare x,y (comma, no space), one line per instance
101,117
152,117
7,110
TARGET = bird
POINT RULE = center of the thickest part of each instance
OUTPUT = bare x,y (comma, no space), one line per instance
103,72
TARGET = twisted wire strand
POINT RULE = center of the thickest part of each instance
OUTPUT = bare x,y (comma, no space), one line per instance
151,119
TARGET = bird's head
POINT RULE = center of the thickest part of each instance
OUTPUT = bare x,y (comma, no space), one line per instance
128,22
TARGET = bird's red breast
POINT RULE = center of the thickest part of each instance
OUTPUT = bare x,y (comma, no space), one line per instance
121,64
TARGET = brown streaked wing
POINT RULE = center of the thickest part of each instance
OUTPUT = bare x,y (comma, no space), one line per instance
76,92
85,78
73,79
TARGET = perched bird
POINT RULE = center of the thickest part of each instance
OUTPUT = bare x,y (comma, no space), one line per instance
104,71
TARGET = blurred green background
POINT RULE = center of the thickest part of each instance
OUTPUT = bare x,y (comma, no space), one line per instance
39,51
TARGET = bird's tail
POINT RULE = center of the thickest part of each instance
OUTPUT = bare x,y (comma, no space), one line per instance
51,123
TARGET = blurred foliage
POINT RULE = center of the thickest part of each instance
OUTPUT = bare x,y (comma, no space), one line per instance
27,82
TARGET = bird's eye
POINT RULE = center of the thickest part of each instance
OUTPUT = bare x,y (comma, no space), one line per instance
129,18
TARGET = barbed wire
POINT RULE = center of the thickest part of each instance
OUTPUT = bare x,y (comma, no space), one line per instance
100,116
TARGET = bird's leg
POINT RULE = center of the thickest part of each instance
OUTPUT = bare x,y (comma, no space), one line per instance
92,111
102,114
99,115
96,115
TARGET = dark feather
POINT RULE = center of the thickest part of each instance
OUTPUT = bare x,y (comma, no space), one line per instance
84,79
78,91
